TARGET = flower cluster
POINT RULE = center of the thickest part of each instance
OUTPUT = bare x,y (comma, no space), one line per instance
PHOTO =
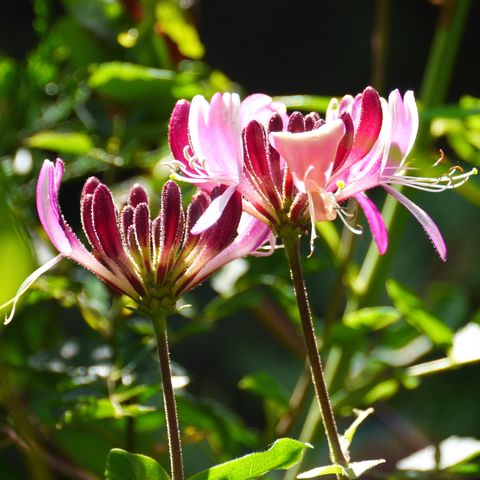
294,169
260,173
153,261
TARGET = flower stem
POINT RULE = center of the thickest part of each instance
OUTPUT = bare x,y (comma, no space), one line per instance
173,430
292,250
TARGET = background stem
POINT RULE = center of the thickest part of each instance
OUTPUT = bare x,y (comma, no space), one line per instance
173,430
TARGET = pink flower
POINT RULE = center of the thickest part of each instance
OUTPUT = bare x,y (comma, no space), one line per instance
206,143
363,143
154,261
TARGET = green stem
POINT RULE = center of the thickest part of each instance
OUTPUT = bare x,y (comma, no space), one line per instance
443,54
292,250
173,429
380,37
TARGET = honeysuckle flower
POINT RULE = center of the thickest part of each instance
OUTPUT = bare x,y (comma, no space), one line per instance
206,143
153,261
363,143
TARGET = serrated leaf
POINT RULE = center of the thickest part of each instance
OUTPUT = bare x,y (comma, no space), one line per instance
283,454
416,314
128,82
61,142
374,318
122,465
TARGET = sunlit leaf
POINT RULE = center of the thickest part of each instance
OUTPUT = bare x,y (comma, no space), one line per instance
307,103
466,343
122,465
61,142
451,452
374,318
352,429
16,261
416,314
353,470
99,408
381,391
283,454
320,471
128,82
172,22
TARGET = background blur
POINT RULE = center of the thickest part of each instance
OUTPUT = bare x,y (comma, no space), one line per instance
94,81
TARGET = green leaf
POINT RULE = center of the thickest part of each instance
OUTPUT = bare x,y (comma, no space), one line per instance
353,470
356,469
171,19
326,470
128,82
16,261
265,386
283,454
61,142
305,102
122,465
352,429
409,305
374,318
91,408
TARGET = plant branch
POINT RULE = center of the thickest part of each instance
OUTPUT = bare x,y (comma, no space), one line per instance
292,250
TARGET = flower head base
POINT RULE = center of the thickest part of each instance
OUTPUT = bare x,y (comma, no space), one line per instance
153,261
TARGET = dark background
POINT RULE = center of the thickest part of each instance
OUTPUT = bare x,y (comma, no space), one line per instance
300,46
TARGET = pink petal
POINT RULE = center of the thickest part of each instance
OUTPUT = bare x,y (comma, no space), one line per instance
213,212
61,235
137,195
171,227
178,129
48,209
252,234
404,126
215,135
260,107
425,220
369,124
257,161
105,223
310,152
375,220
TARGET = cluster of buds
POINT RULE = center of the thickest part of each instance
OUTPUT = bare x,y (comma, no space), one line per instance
153,261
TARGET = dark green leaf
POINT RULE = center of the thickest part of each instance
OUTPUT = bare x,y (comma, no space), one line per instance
265,386
416,314
122,465
127,82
